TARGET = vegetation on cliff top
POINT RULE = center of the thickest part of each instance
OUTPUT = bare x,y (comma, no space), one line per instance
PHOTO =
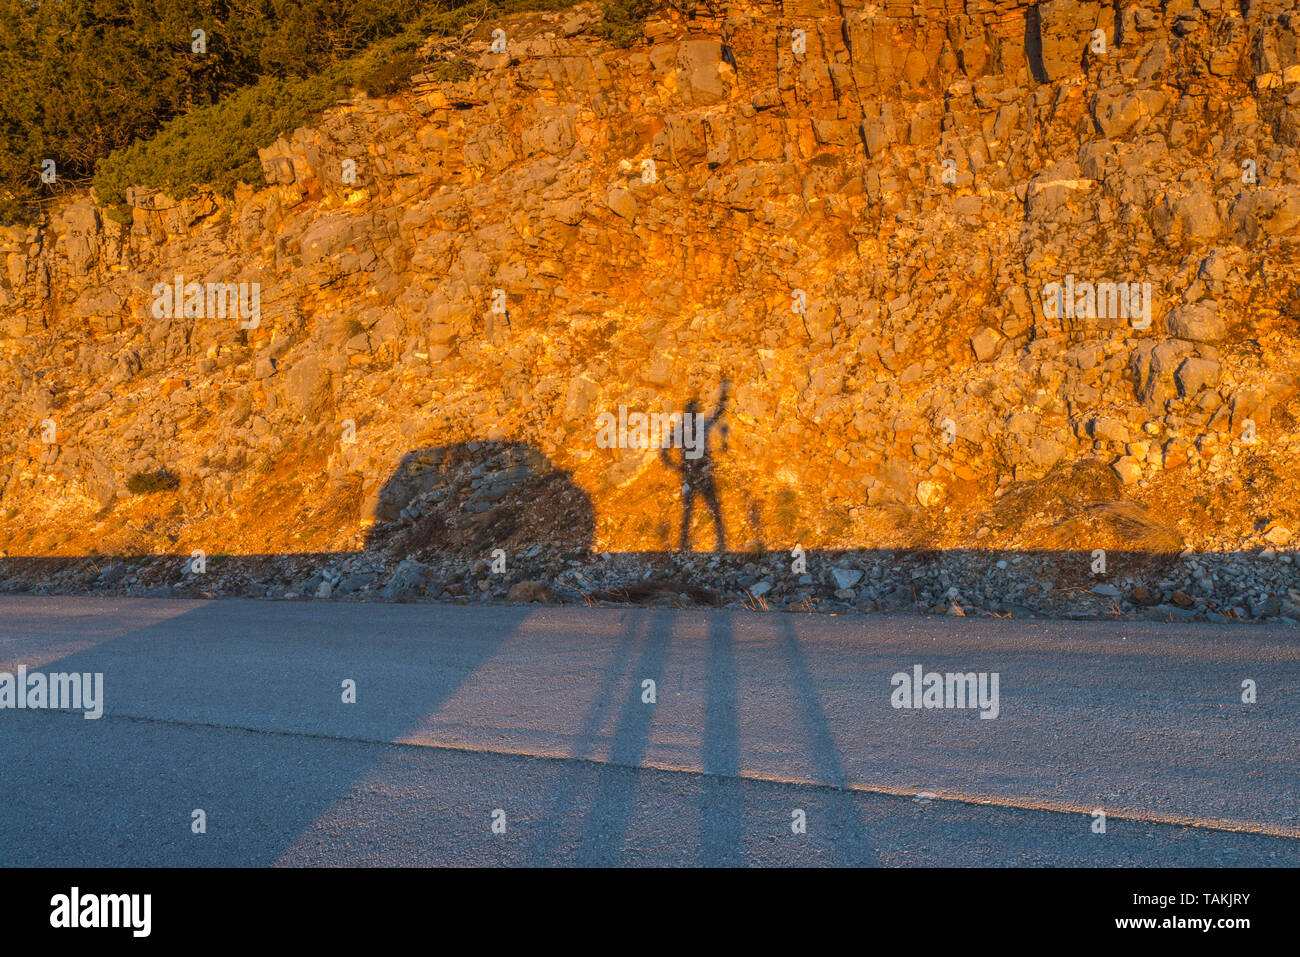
115,90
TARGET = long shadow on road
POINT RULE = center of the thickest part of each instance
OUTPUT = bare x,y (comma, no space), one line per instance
236,708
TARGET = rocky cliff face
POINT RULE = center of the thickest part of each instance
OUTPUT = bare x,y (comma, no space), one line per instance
900,231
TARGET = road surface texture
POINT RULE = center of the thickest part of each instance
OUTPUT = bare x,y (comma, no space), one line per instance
534,717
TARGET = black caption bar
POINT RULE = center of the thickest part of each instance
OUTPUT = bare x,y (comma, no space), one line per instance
139,907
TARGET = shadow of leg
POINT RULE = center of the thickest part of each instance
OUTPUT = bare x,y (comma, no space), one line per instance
688,506
711,499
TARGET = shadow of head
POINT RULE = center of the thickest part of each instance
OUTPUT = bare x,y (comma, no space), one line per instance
475,497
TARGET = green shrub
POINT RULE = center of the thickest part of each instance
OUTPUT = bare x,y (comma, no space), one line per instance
623,22
147,483
450,71
391,76
215,146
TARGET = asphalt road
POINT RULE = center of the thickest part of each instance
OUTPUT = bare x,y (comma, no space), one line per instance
235,708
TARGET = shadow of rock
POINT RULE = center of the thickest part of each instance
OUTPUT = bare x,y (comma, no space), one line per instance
478,496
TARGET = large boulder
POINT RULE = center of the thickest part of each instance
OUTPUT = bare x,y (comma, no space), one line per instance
1193,217
78,229
699,72
1196,374
1196,321
1064,31
306,385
